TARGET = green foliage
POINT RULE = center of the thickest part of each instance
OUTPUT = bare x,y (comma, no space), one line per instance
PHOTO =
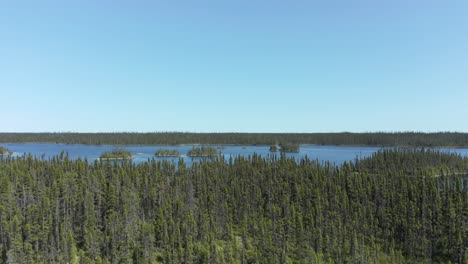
167,153
5,151
291,148
116,154
398,206
273,148
203,152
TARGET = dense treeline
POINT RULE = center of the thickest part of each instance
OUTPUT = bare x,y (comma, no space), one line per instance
399,206
175,138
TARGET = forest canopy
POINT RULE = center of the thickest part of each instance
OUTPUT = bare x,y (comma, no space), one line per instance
398,206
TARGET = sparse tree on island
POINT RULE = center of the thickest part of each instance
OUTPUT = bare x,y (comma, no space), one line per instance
5,151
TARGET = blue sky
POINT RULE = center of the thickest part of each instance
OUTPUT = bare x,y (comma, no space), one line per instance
242,66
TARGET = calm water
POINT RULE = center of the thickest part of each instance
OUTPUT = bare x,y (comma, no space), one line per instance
335,154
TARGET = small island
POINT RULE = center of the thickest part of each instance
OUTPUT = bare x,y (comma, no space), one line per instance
203,152
289,148
167,153
5,151
273,148
116,154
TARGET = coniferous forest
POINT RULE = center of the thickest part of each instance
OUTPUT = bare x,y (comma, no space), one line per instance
440,139
398,206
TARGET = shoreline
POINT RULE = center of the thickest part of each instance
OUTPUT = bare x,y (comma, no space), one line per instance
132,157
203,156
234,145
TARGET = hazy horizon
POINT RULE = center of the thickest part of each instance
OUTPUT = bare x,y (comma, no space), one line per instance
229,132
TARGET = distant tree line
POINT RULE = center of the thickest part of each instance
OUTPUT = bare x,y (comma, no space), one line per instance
176,138
398,206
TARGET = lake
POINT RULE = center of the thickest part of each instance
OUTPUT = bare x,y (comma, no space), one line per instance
334,154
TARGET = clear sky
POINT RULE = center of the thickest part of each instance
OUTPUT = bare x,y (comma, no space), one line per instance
242,66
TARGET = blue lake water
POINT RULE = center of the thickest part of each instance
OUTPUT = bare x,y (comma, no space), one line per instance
334,154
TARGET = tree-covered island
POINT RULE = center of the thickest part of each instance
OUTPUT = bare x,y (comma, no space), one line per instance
116,154
290,148
167,153
203,152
